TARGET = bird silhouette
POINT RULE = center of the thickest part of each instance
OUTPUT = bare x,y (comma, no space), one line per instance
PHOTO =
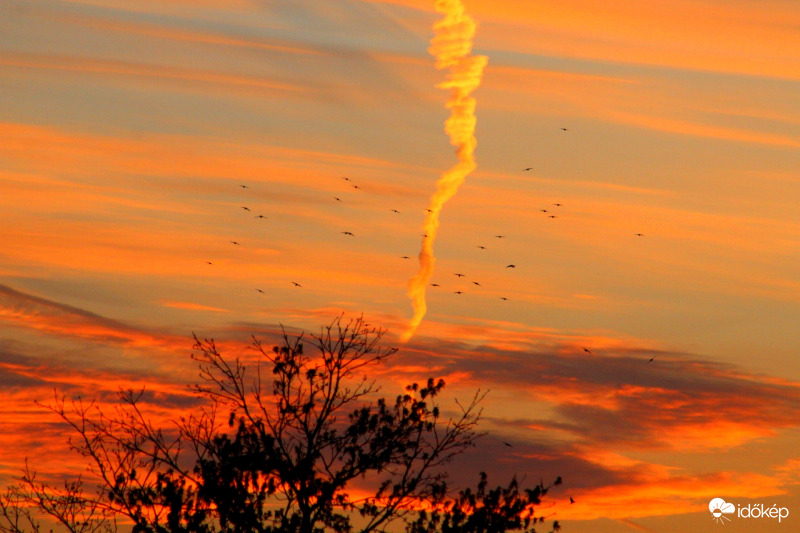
405,257
425,235
507,444
261,216
651,359
503,298
348,233
209,263
395,211
587,350
246,208
571,500
429,210
434,284
511,266
459,275
356,187
543,210
236,243
337,198
558,205
639,234
476,283
296,284
500,236
527,169
553,216
345,179
558,481
259,290
458,292
564,129
244,186
482,247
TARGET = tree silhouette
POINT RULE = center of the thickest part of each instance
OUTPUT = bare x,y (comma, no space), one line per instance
291,443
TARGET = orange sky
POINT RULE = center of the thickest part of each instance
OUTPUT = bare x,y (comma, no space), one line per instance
127,129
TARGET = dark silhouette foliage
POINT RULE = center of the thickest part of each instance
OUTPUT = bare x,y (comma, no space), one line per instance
278,445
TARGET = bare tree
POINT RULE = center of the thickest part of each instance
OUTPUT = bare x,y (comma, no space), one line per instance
277,445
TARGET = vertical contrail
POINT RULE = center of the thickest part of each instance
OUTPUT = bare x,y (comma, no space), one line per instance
452,47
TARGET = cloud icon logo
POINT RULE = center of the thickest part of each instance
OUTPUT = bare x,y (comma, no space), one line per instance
719,508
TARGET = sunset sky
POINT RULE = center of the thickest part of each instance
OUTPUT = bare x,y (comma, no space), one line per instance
128,127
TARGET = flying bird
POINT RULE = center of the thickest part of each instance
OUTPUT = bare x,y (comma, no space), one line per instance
543,210
458,292
571,500
395,211
434,284
356,187
500,236
246,208
527,169
481,247
405,257
507,444
236,243
459,275
261,216
209,263
296,284
564,129
337,198
476,283
553,216
259,290
425,235
639,234
651,359
429,210
558,205
348,233
244,186
511,266
503,298
345,179
587,350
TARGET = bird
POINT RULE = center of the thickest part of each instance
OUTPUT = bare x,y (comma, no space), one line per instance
564,129
405,257
543,210
209,263
429,210
651,360
261,216
259,290
459,275
246,208
348,233
587,350
337,198
395,211
356,187
476,283
425,235
503,298
434,284
639,234
458,292
296,284
557,481
236,243
553,216
511,266
571,500
558,205
527,169
481,247
244,186
345,179
507,444
500,236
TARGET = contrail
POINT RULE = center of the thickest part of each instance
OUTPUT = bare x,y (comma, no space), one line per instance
452,47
